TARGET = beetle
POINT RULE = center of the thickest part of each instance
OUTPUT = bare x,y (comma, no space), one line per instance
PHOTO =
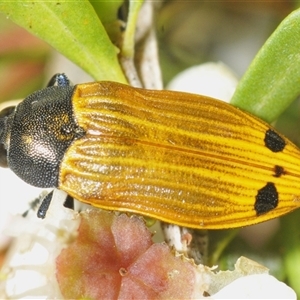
181,158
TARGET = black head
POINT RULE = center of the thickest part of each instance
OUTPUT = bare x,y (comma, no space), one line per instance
35,135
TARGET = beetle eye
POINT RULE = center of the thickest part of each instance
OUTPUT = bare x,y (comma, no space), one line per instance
5,112
3,157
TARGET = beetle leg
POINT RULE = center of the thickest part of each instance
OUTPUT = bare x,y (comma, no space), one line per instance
42,211
69,203
59,79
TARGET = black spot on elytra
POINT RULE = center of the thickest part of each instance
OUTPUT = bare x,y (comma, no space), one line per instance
278,171
266,199
274,141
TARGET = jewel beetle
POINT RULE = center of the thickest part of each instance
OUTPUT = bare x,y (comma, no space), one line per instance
181,158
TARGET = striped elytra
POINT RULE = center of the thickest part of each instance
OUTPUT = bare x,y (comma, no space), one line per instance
182,158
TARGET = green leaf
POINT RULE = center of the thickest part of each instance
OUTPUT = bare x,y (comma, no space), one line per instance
74,29
128,44
107,11
272,81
